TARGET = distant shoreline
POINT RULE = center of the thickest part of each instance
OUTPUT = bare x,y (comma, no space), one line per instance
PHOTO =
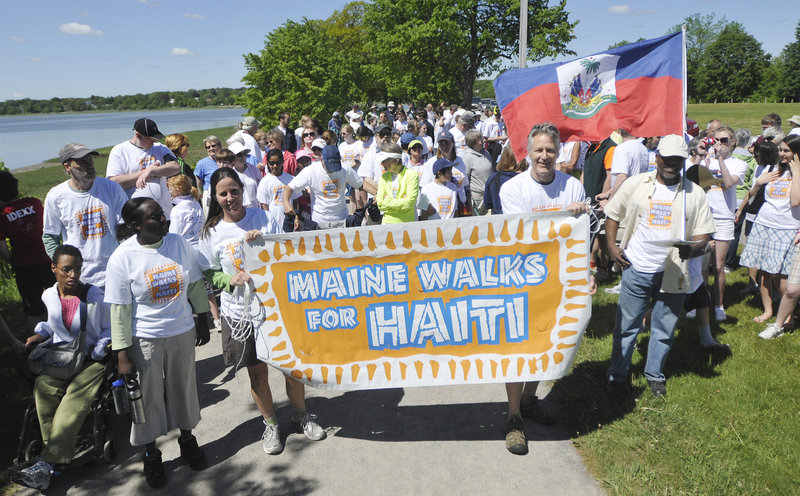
175,109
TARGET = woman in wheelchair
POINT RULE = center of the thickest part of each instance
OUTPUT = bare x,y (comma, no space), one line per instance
62,404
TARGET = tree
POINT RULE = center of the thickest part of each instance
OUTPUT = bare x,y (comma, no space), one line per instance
430,49
734,67
300,69
624,42
789,81
701,31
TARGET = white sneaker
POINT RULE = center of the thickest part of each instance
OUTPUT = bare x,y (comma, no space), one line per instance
37,476
691,314
271,439
772,331
719,313
217,326
613,289
307,426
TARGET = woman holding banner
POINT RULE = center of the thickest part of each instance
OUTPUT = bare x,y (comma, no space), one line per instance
227,226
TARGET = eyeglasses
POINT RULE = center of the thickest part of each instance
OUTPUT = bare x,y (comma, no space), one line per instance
305,135
384,135
723,140
208,147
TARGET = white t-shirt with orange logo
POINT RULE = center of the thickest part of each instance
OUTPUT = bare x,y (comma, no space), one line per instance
87,220
777,212
521,194
723,201
654,224
127,158
270,193
155,281
221,249
442,198
327,190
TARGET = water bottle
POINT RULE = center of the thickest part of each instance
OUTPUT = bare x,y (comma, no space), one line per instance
136,402
121,404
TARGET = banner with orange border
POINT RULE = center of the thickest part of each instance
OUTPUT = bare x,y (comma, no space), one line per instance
471,300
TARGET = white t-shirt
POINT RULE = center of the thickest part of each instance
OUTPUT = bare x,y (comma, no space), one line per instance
522,194
490,128
370,167
250,190
155,280
127,158
350,152
270,193
723,201
795,130
459,141
186,219
777,212
327,190
456,184
352,115
88,221
251,143
655,223
630,158
222,250
443,199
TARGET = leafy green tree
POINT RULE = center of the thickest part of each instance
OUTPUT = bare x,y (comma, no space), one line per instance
789,82
301,69
429,49
734,66
625,42
701,31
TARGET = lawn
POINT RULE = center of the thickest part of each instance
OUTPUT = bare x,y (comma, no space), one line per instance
728,426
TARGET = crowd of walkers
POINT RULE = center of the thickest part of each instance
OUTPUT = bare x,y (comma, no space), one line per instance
158,241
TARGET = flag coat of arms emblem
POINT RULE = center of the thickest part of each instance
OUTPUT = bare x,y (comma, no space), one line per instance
637,87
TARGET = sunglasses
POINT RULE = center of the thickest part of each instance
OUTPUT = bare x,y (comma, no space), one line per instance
723,140
275,164
769,138
305,135
208,147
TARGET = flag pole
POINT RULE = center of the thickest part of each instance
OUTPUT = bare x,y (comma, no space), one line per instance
523,33
683,119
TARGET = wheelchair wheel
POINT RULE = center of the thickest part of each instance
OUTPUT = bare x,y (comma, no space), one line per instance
110,451
33,449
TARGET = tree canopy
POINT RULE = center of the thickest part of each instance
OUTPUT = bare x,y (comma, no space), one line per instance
788,81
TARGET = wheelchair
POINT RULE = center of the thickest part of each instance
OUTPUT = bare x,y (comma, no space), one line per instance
96,438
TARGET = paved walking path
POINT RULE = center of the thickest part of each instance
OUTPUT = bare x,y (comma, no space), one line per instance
434,440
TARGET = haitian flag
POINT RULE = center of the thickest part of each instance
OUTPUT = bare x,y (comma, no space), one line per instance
637,87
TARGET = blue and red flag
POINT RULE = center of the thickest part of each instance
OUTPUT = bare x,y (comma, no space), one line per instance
636,87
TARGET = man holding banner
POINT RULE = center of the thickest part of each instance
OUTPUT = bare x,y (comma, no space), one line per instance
658,211
543,189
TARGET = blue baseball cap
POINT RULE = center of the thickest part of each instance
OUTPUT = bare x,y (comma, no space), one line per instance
406,138
445,135
332,159
440,164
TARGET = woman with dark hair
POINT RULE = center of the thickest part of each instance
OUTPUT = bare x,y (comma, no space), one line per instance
153,281
229,223
788,189
73,308
771,243
507,168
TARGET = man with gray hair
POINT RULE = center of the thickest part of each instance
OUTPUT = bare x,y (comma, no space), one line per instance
464,122
248,128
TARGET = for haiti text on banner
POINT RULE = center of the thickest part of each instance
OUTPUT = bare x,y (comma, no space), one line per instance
636,87
461,301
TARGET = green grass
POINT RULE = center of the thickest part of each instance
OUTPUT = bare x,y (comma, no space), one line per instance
727,427
747,115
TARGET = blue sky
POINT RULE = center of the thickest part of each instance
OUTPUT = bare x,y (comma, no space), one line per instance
78,48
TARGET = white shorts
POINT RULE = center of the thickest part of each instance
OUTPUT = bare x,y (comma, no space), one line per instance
724,229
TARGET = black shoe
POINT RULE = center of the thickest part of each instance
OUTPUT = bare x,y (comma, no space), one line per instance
154,469
516,442
536,413
616,389
717,348
659,388
192,453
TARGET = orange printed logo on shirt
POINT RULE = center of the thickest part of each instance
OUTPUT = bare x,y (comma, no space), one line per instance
146,162
234,253
445,204
277,194
165,282
660,215
92,222
330,189
778,189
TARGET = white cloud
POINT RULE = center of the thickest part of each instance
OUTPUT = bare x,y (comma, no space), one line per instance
35,60
79,29
189,15
18,95
17,39
181,51
150,3
620,9
643,12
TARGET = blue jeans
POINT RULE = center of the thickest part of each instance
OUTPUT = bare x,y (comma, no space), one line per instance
635,294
